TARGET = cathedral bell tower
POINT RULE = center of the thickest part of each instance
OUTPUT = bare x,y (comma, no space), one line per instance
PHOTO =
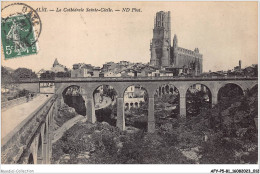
161,42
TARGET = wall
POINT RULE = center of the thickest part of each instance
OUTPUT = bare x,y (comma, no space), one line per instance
17,146
81,72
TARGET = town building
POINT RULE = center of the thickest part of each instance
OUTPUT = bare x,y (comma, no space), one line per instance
57,70
39,73
111,74
57,67
109,66
134,97
238,68
96,72
81,70
164,55
128,73
124,63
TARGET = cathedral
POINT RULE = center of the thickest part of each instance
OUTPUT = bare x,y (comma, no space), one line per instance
163,55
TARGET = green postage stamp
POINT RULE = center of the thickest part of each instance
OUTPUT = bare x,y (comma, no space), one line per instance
20,30
18,37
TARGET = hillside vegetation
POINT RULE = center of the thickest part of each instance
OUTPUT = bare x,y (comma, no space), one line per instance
225,134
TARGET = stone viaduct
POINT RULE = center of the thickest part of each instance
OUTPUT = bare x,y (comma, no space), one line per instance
31,141
151,84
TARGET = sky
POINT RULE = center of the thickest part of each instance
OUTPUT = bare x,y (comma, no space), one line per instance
224,32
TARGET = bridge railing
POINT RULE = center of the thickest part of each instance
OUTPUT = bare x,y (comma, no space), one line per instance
15,143
145,78
178,78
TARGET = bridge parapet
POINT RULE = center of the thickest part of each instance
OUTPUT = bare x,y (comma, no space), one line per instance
16,145
109,79
125,79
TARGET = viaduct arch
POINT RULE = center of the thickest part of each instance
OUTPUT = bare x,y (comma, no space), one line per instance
151,85
40,148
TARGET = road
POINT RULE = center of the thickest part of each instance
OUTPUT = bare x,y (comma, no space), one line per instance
67,125
15,115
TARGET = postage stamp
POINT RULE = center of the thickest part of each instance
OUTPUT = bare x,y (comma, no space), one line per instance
19,31
17,37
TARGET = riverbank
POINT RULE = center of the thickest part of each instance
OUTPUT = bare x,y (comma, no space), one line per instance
224,134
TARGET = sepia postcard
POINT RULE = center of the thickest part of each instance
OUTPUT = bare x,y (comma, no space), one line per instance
117,82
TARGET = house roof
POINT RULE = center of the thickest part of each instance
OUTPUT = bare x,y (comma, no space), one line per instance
41,71
55,62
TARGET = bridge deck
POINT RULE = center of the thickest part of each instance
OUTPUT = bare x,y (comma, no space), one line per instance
13,116
131,79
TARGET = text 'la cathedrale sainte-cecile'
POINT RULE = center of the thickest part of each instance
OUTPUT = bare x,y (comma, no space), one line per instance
44,9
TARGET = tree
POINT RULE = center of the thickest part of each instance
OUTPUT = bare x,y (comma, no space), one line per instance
48,75
63,74
229,94
6,76
233,130
196,102
111,93
23,73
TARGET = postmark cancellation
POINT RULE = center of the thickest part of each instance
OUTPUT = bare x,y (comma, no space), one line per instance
20,30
